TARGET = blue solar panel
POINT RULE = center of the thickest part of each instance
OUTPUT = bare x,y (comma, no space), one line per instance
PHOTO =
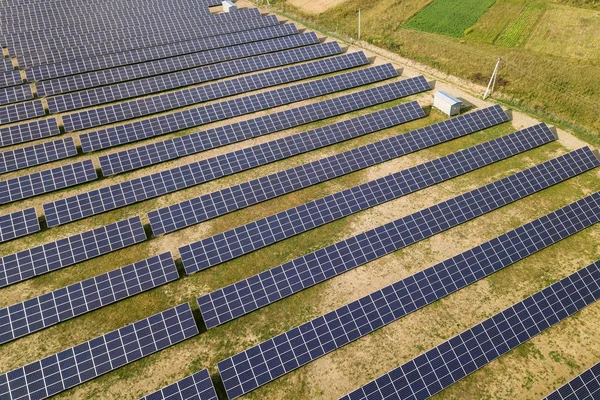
6,64
28,131
252,236
88,360
46,181
193,143
21,111
227,109
15,94
129,192
285,352
166,65
214,204
49,309
71,250
190,96
17,224
10,78
476,347
127,90
25,157
583,387
194,387
282,281
154,53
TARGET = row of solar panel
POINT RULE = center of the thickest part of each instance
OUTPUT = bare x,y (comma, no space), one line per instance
583,387
10,78
174,80
6,64
169,29
15,94
299,346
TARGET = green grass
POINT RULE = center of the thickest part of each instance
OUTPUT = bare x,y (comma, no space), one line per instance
518,32
449,17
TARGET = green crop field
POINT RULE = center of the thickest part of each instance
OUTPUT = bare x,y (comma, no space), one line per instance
449,17
518,32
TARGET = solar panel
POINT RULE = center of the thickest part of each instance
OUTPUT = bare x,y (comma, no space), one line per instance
21,111
252,236
64,252
190,118
191,96
28,131
583,387
184,62
15,94
25,157
158,52
10,78
6,64
198,386
128,192
299,346
126,90
49,309
17,224
476,347
88,360
212,205
46,181
180,146
282,281
74,53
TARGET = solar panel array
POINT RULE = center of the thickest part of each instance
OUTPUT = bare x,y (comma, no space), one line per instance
15,94
64,252
46,181
25,157
71,367
10,78
198,386
49,309
245,296
129,192
193,211
127,90
252,236
17,224
583,387
5,64
299,346
21,111
168,101
154,53
28,131
180,146
464,354
142,70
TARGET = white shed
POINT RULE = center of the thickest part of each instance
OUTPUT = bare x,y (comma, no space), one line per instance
446,103
229,6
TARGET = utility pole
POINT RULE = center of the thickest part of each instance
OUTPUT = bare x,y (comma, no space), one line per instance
492,83
359,24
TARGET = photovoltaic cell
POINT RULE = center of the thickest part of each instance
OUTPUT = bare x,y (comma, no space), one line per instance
5,64
464,354
25,157
177,121
190,96
17,224
49,309
299,346
28,131
143,70
71,250
180,146
154,53
21,111
126,90
244,239
214,204
194,387
282,281
583,387
140,189
15,94
10,78
46,181
71,367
